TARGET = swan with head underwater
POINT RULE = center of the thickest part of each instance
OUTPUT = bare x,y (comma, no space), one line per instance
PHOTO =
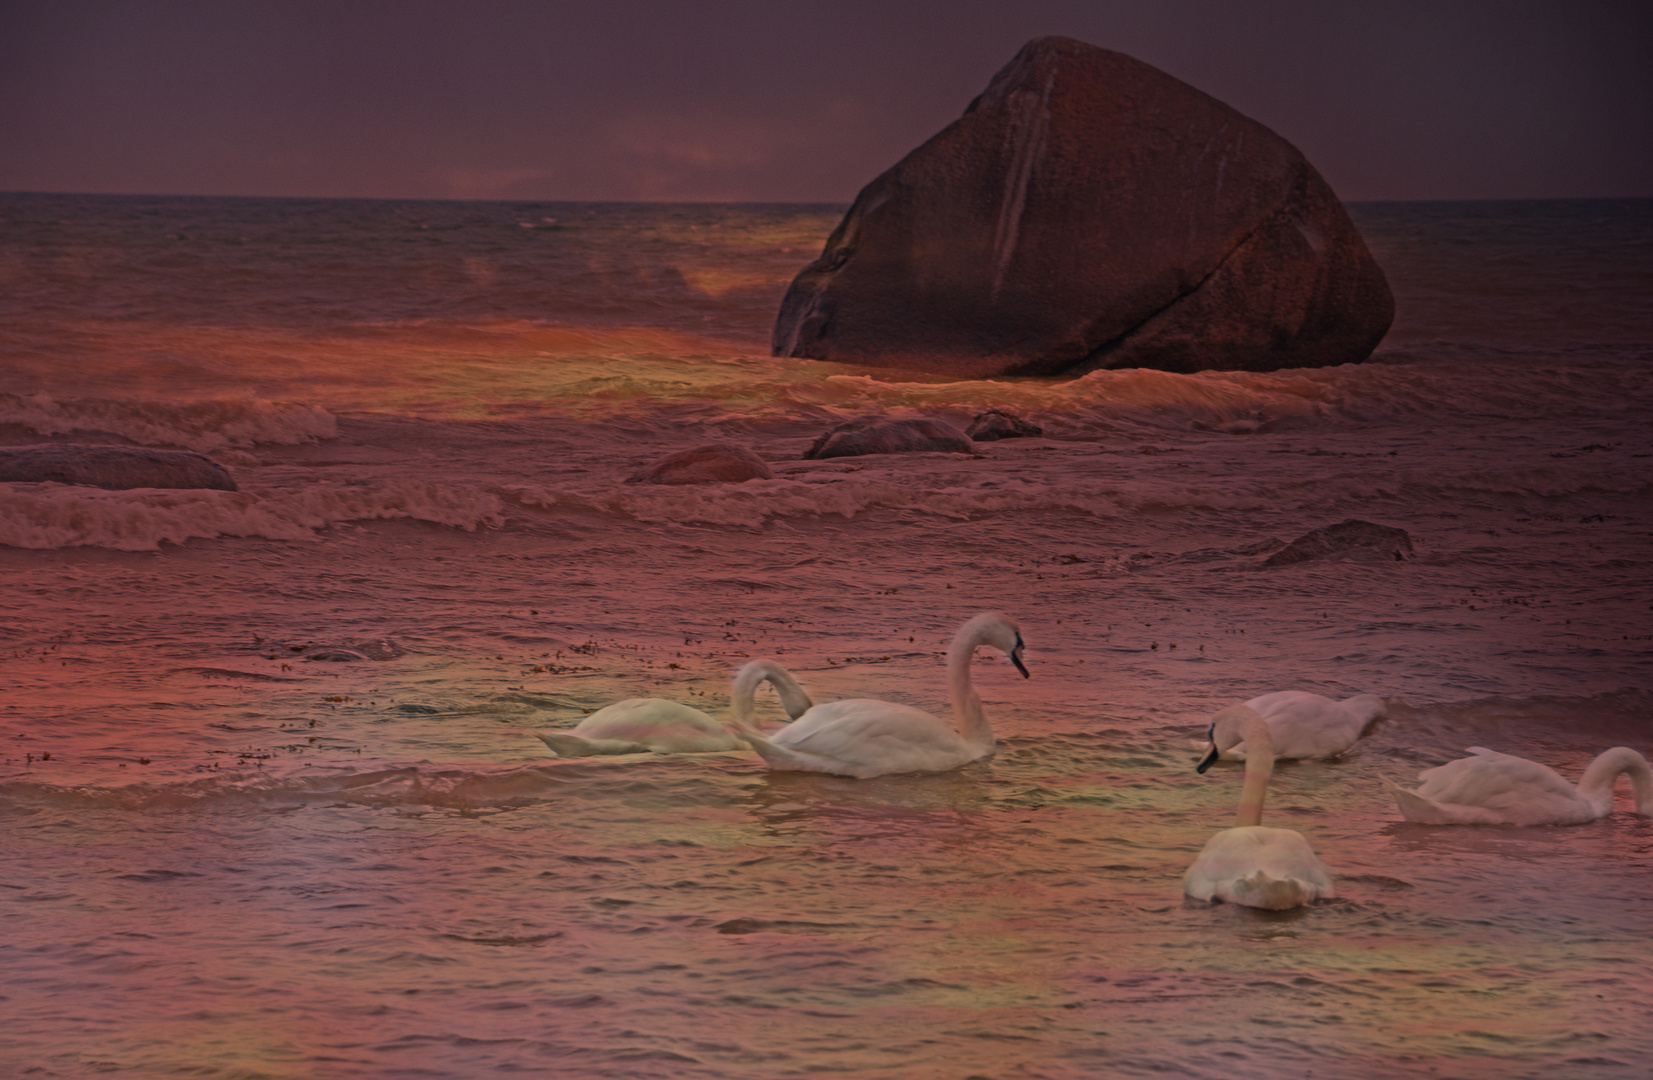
663,726
1252,864
1305,725
1489,788
866,737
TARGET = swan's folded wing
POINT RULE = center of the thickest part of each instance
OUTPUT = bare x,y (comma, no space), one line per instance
654,724
1416,808
838,724
1490,776
1516,791
1267,705
1305,725
787,759
872,737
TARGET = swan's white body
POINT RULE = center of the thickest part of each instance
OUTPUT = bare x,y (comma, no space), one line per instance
865,737
662,726
1258,867
1490,788
1304,725
1251,864
642,725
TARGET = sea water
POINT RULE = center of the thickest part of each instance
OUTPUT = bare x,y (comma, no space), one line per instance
226,856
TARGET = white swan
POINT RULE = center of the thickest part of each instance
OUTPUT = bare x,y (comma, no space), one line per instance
1304,725
663,726
865,737
1497,789
1251,864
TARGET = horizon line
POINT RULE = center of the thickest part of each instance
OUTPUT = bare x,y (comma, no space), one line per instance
708,202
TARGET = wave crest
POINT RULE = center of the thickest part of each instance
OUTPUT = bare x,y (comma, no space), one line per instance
61,515
203,426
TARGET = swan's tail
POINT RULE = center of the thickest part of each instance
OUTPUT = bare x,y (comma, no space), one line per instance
1416,808
786,759
1270,893
778,757
564,745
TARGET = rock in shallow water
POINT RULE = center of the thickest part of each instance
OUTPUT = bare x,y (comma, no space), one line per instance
713,463
336,656
113,467
996,424
1089,211
1344,536
891,437
379,649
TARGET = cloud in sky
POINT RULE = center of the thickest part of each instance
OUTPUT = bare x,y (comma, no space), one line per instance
759,100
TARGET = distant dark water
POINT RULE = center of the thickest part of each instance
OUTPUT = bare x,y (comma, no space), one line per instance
332,263
1523,274
1533,272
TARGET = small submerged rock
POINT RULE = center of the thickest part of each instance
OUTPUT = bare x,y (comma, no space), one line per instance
115,468
1342,537
336,656
355,653
379,649
713,463
995,424
890,437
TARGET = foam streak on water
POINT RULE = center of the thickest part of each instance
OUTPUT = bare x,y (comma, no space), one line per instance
294,822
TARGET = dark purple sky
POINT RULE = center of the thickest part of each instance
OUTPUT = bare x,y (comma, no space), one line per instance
775,100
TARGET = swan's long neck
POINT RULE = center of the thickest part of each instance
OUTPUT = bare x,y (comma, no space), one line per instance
742,698
1252,729
1596,786
967,710
1366,708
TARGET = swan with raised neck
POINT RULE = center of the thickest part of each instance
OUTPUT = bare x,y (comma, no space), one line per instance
866,737
1252,864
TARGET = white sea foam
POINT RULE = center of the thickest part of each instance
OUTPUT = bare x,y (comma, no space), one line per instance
63,515
210,425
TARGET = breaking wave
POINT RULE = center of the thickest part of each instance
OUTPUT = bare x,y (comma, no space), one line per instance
204,426
755,502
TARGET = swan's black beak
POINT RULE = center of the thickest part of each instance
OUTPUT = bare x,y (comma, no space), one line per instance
1016,658
1209,759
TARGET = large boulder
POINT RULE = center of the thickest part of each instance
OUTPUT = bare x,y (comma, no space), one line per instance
1089,211
113,467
